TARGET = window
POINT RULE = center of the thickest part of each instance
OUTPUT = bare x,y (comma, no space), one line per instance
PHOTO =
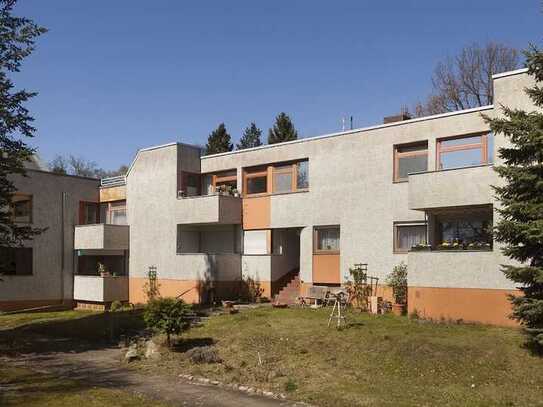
408,235
302,175
256,181
228,179
326,239
469,228
255,242
117,213
282,178
465,151
410,158
89,213
16,261
22,208
278,237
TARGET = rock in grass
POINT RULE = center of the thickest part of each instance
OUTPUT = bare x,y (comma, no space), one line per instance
151,350
203,354
132,353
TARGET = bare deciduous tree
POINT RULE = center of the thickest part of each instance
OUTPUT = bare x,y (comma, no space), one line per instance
465,81
73,165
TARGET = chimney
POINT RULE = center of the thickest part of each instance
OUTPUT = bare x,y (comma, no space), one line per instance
397,118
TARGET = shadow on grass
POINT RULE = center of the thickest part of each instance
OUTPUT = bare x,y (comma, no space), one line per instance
189,343
89,332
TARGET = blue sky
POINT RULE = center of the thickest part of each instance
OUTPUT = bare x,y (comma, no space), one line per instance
116,76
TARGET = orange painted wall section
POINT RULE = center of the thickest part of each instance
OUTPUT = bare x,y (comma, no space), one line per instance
326,269
167,288
485,306
113,194
256,213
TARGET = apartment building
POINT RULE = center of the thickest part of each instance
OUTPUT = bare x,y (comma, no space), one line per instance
301,213
41,272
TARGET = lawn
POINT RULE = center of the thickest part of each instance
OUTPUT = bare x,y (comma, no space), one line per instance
9,321
24,387
376,360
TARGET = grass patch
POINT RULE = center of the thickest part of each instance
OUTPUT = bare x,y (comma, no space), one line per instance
24,387
16,320
376,360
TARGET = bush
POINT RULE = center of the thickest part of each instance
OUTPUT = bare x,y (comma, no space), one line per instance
116,306
167,315
397,280
203,354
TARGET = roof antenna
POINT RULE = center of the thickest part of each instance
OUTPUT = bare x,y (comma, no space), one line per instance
351,122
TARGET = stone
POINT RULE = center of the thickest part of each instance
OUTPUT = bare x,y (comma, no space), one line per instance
203,354
151,350
132,353
267,393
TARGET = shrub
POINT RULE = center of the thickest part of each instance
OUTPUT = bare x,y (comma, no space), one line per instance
290,385
116,306
397,280
167,315
203,354
357,287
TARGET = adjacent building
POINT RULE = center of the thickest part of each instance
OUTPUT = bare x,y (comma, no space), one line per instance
299,214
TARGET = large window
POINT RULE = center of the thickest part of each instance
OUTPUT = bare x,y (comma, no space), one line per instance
256,181
113,213
22,208
409,158
407,235
285,177
464,229
326,239
465,151
16,261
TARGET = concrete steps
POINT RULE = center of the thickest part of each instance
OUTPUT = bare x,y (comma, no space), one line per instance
289,293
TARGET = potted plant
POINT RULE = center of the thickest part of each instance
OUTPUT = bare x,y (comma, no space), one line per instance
102,270
421,247
397,280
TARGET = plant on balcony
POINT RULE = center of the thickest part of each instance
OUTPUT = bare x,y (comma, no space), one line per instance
421,247
397,280
169,316
102,270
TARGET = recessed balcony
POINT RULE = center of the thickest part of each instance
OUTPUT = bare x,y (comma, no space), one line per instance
101,237
456,187
204,209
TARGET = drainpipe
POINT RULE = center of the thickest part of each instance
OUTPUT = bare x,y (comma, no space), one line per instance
62,246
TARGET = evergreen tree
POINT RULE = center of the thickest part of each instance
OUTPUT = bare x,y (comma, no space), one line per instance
219,141
283,130
250,138
17,39
520,228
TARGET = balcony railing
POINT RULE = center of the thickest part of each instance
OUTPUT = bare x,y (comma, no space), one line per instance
113,181
200,209
101,237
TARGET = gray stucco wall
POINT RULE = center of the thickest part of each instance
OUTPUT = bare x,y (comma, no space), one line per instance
49,279
102,236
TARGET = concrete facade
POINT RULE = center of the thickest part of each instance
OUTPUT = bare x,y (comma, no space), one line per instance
55,207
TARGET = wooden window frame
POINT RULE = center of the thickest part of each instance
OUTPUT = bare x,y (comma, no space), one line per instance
395,235
483,145
31,200
316,230
110,210
82,217
258,173
398,155
269,171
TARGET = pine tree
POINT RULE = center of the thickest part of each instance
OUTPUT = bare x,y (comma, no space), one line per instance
250,138
283,130
17,39
520,227
219,141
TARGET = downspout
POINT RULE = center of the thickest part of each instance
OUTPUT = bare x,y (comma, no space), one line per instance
62,246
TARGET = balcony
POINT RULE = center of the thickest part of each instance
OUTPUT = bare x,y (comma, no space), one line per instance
204,209
101,237
464,268
100,289
455,187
